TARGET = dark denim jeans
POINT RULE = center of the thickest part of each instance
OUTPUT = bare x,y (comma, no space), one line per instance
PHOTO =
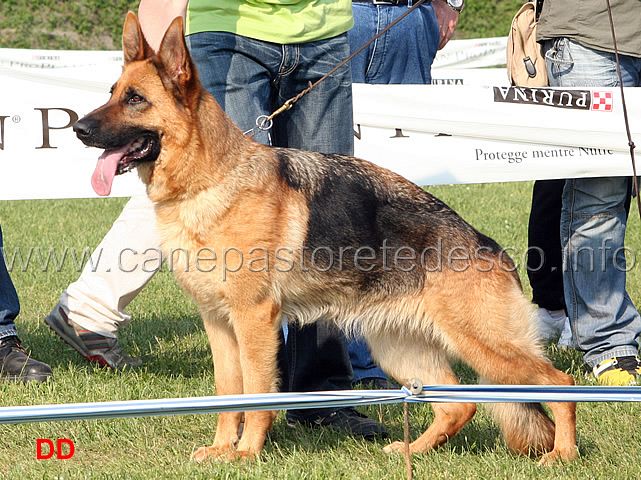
250,78
9,304
544,261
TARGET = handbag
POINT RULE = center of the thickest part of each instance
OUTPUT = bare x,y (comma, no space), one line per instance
525,64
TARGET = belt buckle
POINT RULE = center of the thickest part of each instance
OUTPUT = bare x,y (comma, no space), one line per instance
385,2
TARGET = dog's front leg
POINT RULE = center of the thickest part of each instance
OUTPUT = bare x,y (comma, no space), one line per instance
257,329
229,381
245,354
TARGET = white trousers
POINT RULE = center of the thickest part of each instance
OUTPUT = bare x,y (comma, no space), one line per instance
124,262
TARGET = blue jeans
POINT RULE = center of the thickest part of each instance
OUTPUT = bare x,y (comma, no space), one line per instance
404,54
9,304
249,78
605,323
394,57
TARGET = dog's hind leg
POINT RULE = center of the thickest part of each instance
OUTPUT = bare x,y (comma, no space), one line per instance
404,358
498,341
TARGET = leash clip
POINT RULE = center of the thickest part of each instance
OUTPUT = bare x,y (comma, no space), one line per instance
413,386
264,122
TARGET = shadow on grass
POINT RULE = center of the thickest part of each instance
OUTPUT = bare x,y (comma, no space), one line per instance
476,438
177,347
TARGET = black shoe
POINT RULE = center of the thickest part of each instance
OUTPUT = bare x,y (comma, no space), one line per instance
347,420
16,365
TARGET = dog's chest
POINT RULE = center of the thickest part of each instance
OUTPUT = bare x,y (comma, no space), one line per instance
192,256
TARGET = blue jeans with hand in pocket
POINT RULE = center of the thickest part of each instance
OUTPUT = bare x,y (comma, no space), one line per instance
605,323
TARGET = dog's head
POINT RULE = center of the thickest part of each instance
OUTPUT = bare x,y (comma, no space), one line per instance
153,92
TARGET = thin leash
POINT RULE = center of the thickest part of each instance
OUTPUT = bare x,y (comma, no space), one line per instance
625,110
265,122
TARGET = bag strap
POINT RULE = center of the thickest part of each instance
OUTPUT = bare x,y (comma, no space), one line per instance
537,9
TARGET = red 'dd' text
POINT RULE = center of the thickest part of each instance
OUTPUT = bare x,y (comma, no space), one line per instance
46,449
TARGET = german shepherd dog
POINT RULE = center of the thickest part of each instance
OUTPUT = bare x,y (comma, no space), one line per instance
329,236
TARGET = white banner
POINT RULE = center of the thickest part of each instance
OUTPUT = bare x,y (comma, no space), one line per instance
469,53
472,53
470,76
40,156
59,61
443,134
431,134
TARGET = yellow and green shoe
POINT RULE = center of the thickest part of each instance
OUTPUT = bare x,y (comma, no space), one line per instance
619,371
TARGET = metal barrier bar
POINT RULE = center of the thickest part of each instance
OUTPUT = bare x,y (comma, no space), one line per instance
195,405
342,398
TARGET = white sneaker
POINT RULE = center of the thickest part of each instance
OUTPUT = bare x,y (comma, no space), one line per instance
566,340
550,323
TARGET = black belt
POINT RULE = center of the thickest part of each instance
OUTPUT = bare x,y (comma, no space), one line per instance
383,2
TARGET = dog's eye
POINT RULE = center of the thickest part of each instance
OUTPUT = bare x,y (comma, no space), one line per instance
135,99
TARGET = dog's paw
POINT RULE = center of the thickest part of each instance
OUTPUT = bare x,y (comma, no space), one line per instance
394,447
203,454
556,456
218,454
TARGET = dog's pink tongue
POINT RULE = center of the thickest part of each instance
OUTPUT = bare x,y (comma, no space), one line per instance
103,175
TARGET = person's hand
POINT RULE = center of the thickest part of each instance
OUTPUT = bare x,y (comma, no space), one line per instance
447,20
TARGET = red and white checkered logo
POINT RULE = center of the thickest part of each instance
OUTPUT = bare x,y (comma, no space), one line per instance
602,101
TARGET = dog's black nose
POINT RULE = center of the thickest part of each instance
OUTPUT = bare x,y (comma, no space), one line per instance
84,127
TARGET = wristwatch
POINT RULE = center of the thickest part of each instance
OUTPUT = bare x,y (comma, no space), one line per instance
456,5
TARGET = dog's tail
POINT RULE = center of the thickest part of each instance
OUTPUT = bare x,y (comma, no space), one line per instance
526,427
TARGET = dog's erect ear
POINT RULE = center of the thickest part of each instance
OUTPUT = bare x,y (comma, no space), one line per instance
134,45
173,52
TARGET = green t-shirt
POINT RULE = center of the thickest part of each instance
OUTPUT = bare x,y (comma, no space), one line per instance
277,21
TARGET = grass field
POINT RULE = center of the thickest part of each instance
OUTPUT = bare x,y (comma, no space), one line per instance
167,333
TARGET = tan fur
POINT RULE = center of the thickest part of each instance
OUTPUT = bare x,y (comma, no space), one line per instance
215,188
